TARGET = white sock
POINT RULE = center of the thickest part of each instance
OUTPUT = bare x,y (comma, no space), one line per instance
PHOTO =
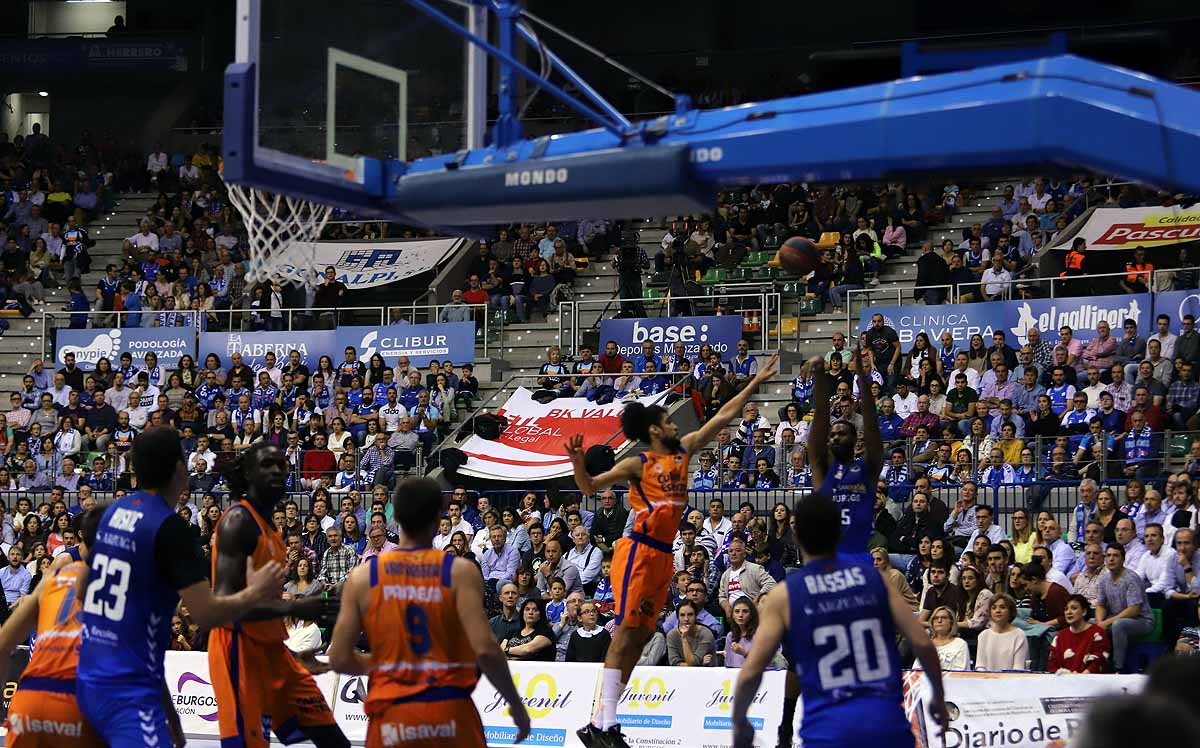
611,688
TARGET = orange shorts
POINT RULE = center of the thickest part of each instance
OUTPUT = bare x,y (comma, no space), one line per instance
641,580
453,723
260,689
45,719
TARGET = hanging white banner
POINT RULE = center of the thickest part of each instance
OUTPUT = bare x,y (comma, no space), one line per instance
370,264
1126,228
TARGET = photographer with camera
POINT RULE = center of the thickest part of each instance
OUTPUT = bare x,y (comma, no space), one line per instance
631,262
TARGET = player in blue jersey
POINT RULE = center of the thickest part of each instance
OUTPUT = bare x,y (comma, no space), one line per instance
836,472
143,562
838,621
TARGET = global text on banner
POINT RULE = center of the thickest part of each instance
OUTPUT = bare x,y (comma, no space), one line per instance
254,346
693,707
454,341
1126,228
720,332
1014,710
1081,314
90,345
960,320
531,447
371,264
558,697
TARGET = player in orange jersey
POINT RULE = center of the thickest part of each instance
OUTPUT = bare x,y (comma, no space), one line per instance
643,564
422,612
261,687
43,712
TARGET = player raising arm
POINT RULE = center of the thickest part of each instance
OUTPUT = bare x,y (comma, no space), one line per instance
422,612
836,472
840,620
143,563
643,564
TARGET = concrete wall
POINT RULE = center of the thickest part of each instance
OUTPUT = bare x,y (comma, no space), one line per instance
73,18
17,107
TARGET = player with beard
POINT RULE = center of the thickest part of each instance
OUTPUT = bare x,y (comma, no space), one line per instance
642,564
261,687
836,472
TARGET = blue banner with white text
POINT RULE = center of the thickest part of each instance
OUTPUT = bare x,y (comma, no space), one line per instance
1017,318
90,345
720,332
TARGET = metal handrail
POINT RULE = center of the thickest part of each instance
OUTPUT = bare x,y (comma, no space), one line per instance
899,291
1154,275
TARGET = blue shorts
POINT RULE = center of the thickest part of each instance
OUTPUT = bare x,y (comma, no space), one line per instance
874,722
126,717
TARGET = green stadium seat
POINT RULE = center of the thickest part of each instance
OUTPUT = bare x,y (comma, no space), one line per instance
714,276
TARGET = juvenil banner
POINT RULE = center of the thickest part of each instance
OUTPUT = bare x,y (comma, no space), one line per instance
531,447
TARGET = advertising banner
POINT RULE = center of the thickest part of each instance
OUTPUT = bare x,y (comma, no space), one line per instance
1081,314
1015,318
90,345
371,264
1126,228
1014,710
558,697
721,332
420,343
192,692
312,344
1174,304
692,707
531,447
960,320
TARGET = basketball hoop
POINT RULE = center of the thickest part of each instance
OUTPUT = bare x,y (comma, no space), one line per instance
282,232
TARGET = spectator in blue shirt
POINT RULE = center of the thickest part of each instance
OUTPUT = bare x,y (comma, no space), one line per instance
647,354
15,578
889,421
759,450
1138,449
706,477
131,302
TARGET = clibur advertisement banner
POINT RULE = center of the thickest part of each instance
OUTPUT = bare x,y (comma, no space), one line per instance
1014,710
420,343
665,706
91,344
1015,318
531,446
558,698
1126,228
721,332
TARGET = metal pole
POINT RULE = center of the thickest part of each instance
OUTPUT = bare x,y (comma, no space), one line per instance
477,78
487,319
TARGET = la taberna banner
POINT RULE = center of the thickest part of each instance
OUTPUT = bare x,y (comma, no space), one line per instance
531,447
420,343
722,332
371,264
1015,318
1014,710
1126,228
90,345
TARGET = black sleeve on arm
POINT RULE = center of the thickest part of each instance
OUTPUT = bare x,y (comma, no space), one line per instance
177,554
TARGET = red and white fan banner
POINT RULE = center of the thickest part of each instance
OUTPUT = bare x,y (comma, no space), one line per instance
532,447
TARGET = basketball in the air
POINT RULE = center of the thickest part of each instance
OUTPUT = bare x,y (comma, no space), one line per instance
800,256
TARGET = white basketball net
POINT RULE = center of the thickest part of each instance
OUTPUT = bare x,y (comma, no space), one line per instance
282,232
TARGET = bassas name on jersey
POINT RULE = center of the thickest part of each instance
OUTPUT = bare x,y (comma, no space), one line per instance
835,581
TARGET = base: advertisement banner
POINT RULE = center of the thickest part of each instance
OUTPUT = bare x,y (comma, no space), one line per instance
722,332
1014,710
